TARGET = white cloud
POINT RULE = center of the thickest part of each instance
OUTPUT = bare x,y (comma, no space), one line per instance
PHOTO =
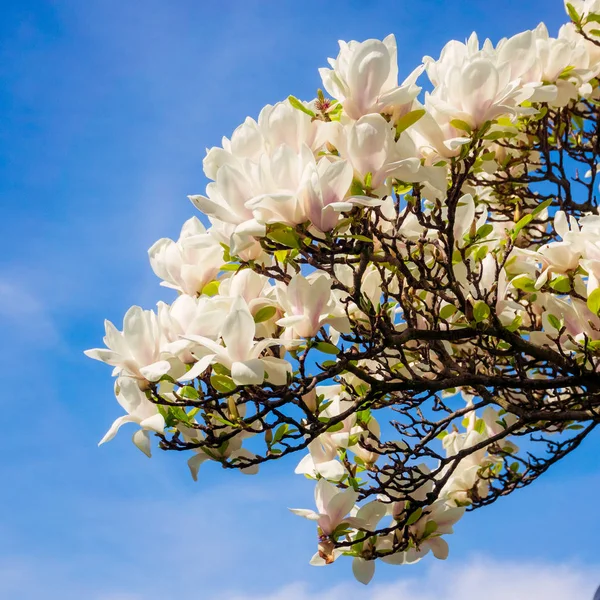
479,579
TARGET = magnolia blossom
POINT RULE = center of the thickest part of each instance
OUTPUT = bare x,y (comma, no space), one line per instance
333,506
364,78
308,304
190,263
139,410
136,350
241,354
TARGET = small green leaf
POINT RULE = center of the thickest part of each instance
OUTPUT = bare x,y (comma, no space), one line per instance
523,222
211,289
222,383
414,516
480,426
189,392
264,314
430,528
462,125
368,179
593,301
298,104
481,311
561,284
523,282
230,267
447,311
327,348
555,322
485,230
540,207
280,432
408,120
572,13
285,238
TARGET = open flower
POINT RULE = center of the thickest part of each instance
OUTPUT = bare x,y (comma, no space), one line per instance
139,410
241,354
135,351
364,78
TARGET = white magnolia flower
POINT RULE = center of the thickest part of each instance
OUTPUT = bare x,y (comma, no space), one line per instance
139,410
136,350
364,78
308,304
333,506
241,353
190,263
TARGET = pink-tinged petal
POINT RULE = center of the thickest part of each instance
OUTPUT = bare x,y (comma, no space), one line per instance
141,439
363,569
370,514
311,515
154,423
156,370
324,492
198,368
212,209
340,505
465,213
110,434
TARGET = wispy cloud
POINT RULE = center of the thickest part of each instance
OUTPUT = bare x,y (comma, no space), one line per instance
480,578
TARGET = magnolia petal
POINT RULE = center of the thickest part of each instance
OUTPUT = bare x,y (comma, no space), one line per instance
248,372
198,368
154,423
156,370
363,569
141,438
114,428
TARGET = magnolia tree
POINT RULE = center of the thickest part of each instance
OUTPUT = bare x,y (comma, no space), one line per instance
402,290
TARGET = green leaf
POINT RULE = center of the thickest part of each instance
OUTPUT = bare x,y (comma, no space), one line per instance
480,426
593,301
408,120
414,516
572,13
538,209
462,125
190,392
327,348
481,311
279,433
284,237
561,284
555,322
211,289
523,282
230,267
447,311
430,528
595,32
523,222
368,179
485,230
264,314
297,104
222,383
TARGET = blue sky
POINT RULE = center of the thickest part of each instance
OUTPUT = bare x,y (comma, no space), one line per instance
107,107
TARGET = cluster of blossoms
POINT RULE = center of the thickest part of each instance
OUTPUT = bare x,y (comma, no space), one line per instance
398,286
